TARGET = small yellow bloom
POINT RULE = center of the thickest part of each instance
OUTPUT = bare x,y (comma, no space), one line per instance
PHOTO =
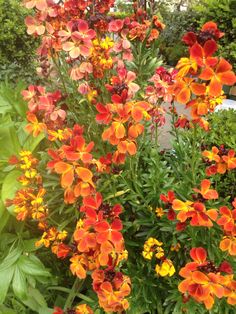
160,252
165,269
80,224
147,254
175,248
159,212
62,235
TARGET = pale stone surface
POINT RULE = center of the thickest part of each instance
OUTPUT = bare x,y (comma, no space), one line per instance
164,135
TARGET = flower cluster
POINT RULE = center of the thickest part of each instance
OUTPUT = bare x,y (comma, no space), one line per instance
29,201
45,111
219,160
123,115
153,248
227,221
203,281
112,289
202,74
99,243
72,161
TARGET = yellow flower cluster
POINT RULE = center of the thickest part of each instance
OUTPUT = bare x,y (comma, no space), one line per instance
27,163
153,247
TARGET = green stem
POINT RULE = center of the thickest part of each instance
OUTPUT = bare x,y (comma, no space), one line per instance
194,151
73,292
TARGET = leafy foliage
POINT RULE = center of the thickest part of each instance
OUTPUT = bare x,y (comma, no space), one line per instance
17,49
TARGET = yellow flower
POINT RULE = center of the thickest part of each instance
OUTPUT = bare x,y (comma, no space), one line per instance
159,212
80,224
175,247
153,241
165,269
62,235
147,254
160,252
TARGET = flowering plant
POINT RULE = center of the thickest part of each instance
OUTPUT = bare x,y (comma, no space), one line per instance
97,191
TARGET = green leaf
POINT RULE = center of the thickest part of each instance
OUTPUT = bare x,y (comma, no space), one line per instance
9,143
46,311
29,245
9,187
4,216
6,310
32,142
5,280
19,283
35,300
10,259
32,266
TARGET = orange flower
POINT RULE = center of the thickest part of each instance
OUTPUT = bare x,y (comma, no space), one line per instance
221,75
184,87
111,232
212,155
35,127
206,192
228,243
185,66
230,160
203,281
78,266
227,219
83,309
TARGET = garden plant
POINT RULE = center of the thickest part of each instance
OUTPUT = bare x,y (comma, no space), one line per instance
95,216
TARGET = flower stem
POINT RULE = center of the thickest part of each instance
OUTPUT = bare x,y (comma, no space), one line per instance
74,290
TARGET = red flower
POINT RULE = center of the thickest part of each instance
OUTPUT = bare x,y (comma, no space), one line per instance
106,231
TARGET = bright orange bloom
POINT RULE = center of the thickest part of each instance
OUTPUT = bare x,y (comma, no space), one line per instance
212,155
203,280
227,219
185,66
83,309
112,288
228,243
78,266
221,75
206,192
35,126
111,232
196,211
185,86
230,159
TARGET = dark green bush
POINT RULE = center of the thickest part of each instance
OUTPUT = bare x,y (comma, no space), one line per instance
17,49
177,23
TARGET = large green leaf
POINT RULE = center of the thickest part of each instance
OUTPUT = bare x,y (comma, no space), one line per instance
10,259
19,283
9,143
10,186
4,216
36,300
32,266
5,280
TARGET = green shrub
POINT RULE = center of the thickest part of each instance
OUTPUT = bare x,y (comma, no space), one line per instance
17,49
177,23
